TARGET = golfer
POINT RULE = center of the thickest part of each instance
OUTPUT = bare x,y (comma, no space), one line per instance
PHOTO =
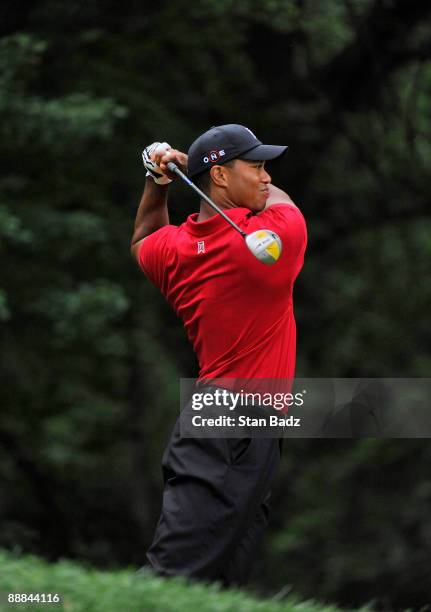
238,315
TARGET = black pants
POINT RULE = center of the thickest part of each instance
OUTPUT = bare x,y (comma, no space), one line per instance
215,506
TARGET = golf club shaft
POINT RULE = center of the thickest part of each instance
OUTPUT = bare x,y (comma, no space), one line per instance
174,168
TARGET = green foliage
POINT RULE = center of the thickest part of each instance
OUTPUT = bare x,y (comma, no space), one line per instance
11,228
84,312
365,531
87,590
29,118
4,311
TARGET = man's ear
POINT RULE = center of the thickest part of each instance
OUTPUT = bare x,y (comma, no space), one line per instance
219,176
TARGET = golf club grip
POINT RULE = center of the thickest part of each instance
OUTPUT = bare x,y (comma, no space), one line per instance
173,167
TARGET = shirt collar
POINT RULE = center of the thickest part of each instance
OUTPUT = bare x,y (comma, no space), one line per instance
214,223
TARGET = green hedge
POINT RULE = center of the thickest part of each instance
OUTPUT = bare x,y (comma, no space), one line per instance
87,590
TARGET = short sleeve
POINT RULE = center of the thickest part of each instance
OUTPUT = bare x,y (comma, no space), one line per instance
288,222
153,254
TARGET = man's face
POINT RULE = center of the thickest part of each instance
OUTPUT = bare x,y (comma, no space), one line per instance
247,184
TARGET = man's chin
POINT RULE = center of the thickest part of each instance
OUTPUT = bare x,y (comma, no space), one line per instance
261,206
256,207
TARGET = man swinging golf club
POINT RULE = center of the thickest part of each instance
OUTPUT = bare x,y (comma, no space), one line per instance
238,313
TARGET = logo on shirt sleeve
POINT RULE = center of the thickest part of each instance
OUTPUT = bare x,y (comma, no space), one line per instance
201,246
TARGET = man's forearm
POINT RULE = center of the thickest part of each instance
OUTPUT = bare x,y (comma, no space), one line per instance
152,212
277,196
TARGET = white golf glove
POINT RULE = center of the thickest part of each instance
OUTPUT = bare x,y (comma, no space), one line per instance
152,168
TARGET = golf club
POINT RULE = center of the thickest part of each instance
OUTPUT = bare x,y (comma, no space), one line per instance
264,244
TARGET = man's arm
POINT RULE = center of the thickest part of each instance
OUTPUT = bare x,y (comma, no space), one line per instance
153,208
277,196
152,213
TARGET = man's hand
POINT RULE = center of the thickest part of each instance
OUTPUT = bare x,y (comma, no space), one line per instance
152,167
156,157
171,155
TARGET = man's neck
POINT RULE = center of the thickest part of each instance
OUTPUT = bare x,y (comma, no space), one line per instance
206,212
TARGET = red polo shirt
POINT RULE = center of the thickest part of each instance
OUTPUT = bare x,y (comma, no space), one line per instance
237,311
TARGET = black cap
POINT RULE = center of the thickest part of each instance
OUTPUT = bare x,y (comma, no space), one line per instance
222,143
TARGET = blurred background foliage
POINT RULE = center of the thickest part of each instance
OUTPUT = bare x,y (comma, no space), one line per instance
92,355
